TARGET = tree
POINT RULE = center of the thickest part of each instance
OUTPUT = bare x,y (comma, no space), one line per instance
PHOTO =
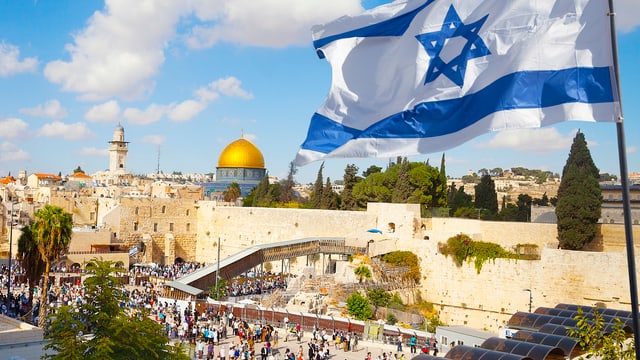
608,177
221,291
316,196
378,297
350,178
579,201
260,196
402,189
591,336
371,170
29,255
287,193
362,272
232,193
486,195
543,201
99,328
460,199
524,207
439,190
371,189
358,306
329,198
52,229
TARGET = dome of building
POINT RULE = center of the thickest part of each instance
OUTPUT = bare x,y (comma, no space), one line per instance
241,154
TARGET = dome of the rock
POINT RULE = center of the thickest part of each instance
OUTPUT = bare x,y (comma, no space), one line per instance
241,154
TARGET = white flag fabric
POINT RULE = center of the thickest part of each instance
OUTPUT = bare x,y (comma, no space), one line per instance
421,76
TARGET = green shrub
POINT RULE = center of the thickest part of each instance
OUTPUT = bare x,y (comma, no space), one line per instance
462,248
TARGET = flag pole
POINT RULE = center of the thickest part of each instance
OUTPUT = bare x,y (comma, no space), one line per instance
624,181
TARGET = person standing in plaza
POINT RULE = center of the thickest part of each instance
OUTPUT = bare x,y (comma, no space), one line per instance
399,343
412,344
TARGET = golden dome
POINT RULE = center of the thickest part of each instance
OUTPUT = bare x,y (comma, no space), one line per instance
241,154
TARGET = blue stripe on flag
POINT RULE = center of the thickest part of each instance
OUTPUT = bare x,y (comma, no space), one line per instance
392,27
520,90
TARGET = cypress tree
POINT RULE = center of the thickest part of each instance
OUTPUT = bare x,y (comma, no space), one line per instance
316,197
350,180
329,197
579,198
486,195
402,189
440,187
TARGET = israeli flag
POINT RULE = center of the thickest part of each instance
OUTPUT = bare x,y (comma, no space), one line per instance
421,76
133,251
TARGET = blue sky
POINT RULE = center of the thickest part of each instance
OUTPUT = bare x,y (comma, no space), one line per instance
186,78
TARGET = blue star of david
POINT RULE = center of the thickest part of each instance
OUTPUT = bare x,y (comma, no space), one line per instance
433,43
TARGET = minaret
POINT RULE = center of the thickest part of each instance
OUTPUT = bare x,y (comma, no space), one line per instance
118,152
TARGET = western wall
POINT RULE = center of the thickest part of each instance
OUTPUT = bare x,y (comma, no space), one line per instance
462,296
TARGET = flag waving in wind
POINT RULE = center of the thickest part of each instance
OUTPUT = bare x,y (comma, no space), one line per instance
421,76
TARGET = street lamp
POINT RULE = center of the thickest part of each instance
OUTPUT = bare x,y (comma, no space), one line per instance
530,298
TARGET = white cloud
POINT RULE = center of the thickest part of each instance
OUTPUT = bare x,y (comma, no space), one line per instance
13,128
123,46
10,62
107,112
92,151
10,152
151,114
153,139
76,131
631,149
270,23
530,140
120,50
186,110
52,109
627,15
230,86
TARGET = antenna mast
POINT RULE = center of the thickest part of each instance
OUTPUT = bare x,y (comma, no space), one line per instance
158,166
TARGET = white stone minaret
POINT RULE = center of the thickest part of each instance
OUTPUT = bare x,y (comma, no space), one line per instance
118,152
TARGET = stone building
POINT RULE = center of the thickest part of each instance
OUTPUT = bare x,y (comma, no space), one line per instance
612,204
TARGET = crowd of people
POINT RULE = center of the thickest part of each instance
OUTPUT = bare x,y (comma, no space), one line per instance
165,272
256,284
213,333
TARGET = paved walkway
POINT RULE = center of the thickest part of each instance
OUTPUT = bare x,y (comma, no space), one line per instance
364,346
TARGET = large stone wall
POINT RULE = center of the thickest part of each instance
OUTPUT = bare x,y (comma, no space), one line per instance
239,227
484,300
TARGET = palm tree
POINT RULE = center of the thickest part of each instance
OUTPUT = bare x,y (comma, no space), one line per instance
232,193
52,231
30,258
362,272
